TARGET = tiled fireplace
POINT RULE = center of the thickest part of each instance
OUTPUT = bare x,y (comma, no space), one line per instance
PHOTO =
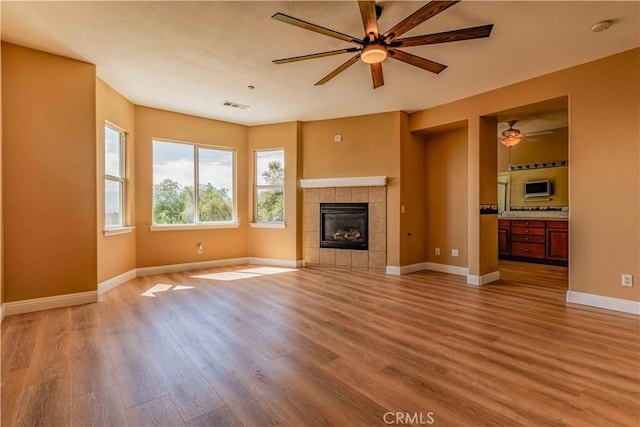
372,257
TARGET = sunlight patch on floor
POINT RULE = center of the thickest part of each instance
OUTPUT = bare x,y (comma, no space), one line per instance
181,287
161,287
247,273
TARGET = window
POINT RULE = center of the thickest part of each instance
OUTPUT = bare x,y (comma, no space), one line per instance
269,189
114,177
192,184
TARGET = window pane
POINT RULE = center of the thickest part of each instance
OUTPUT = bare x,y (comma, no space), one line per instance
215,168
173,177
112,204
112,152
270,167
270,205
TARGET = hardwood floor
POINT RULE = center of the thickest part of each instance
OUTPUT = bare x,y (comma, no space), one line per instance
248,346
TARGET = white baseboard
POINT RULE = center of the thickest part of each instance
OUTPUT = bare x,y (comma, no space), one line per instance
172,268
393,270
412,268
116,281
47,303
446,268
476,280
396,270
599,301
288,263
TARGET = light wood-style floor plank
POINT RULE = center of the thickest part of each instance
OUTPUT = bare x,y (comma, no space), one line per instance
98,408
249,346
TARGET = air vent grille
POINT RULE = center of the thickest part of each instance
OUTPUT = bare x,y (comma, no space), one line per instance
235,105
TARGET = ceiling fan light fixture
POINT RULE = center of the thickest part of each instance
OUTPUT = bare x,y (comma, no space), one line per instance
510,141
601,26
373,54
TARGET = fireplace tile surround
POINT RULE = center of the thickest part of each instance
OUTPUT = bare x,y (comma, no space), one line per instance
373,259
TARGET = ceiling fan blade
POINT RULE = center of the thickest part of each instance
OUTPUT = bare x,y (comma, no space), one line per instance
446,37
376,75
338,70
316,28
314,55
544,132
368,13
427,11
416,61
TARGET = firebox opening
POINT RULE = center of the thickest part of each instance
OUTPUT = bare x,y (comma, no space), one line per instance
344,225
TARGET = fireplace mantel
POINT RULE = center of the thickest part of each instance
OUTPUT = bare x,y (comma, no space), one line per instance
356,181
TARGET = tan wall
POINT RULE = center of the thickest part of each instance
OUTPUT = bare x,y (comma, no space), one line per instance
603,156
1,210
155,248
446,197
370,147
270,242
116,254
547,148
559,178
487,152
413,240
49,176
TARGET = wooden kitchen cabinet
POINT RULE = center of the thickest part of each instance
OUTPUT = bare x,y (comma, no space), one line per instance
534,240
557,241
504,237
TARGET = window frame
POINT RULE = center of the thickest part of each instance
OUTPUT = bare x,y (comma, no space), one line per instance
197,224
120,180
256,187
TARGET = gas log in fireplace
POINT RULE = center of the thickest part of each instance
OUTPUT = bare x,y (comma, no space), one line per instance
344,225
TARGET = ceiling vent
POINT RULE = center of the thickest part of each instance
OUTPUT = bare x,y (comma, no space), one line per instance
235,105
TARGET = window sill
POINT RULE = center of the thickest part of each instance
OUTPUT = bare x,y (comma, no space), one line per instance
119,230
185,227
267,225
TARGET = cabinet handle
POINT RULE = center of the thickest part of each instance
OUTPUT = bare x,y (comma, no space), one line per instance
526,238
526,231
526,250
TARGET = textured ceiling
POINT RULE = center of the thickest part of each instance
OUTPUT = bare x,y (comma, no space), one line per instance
191,57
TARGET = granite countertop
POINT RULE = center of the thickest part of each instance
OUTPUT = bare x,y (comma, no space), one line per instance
540,215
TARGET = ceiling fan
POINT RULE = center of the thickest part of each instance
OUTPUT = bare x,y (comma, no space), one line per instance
375,46
511,136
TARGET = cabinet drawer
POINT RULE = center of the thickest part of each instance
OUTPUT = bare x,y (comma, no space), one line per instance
531,250
526,230
528,223
558,224
527,238
504,222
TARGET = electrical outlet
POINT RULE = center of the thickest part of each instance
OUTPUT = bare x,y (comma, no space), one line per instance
437,251
402,209
337,138
199,249
454,252
627,280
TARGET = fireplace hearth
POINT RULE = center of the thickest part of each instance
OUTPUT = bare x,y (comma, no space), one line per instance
344,225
